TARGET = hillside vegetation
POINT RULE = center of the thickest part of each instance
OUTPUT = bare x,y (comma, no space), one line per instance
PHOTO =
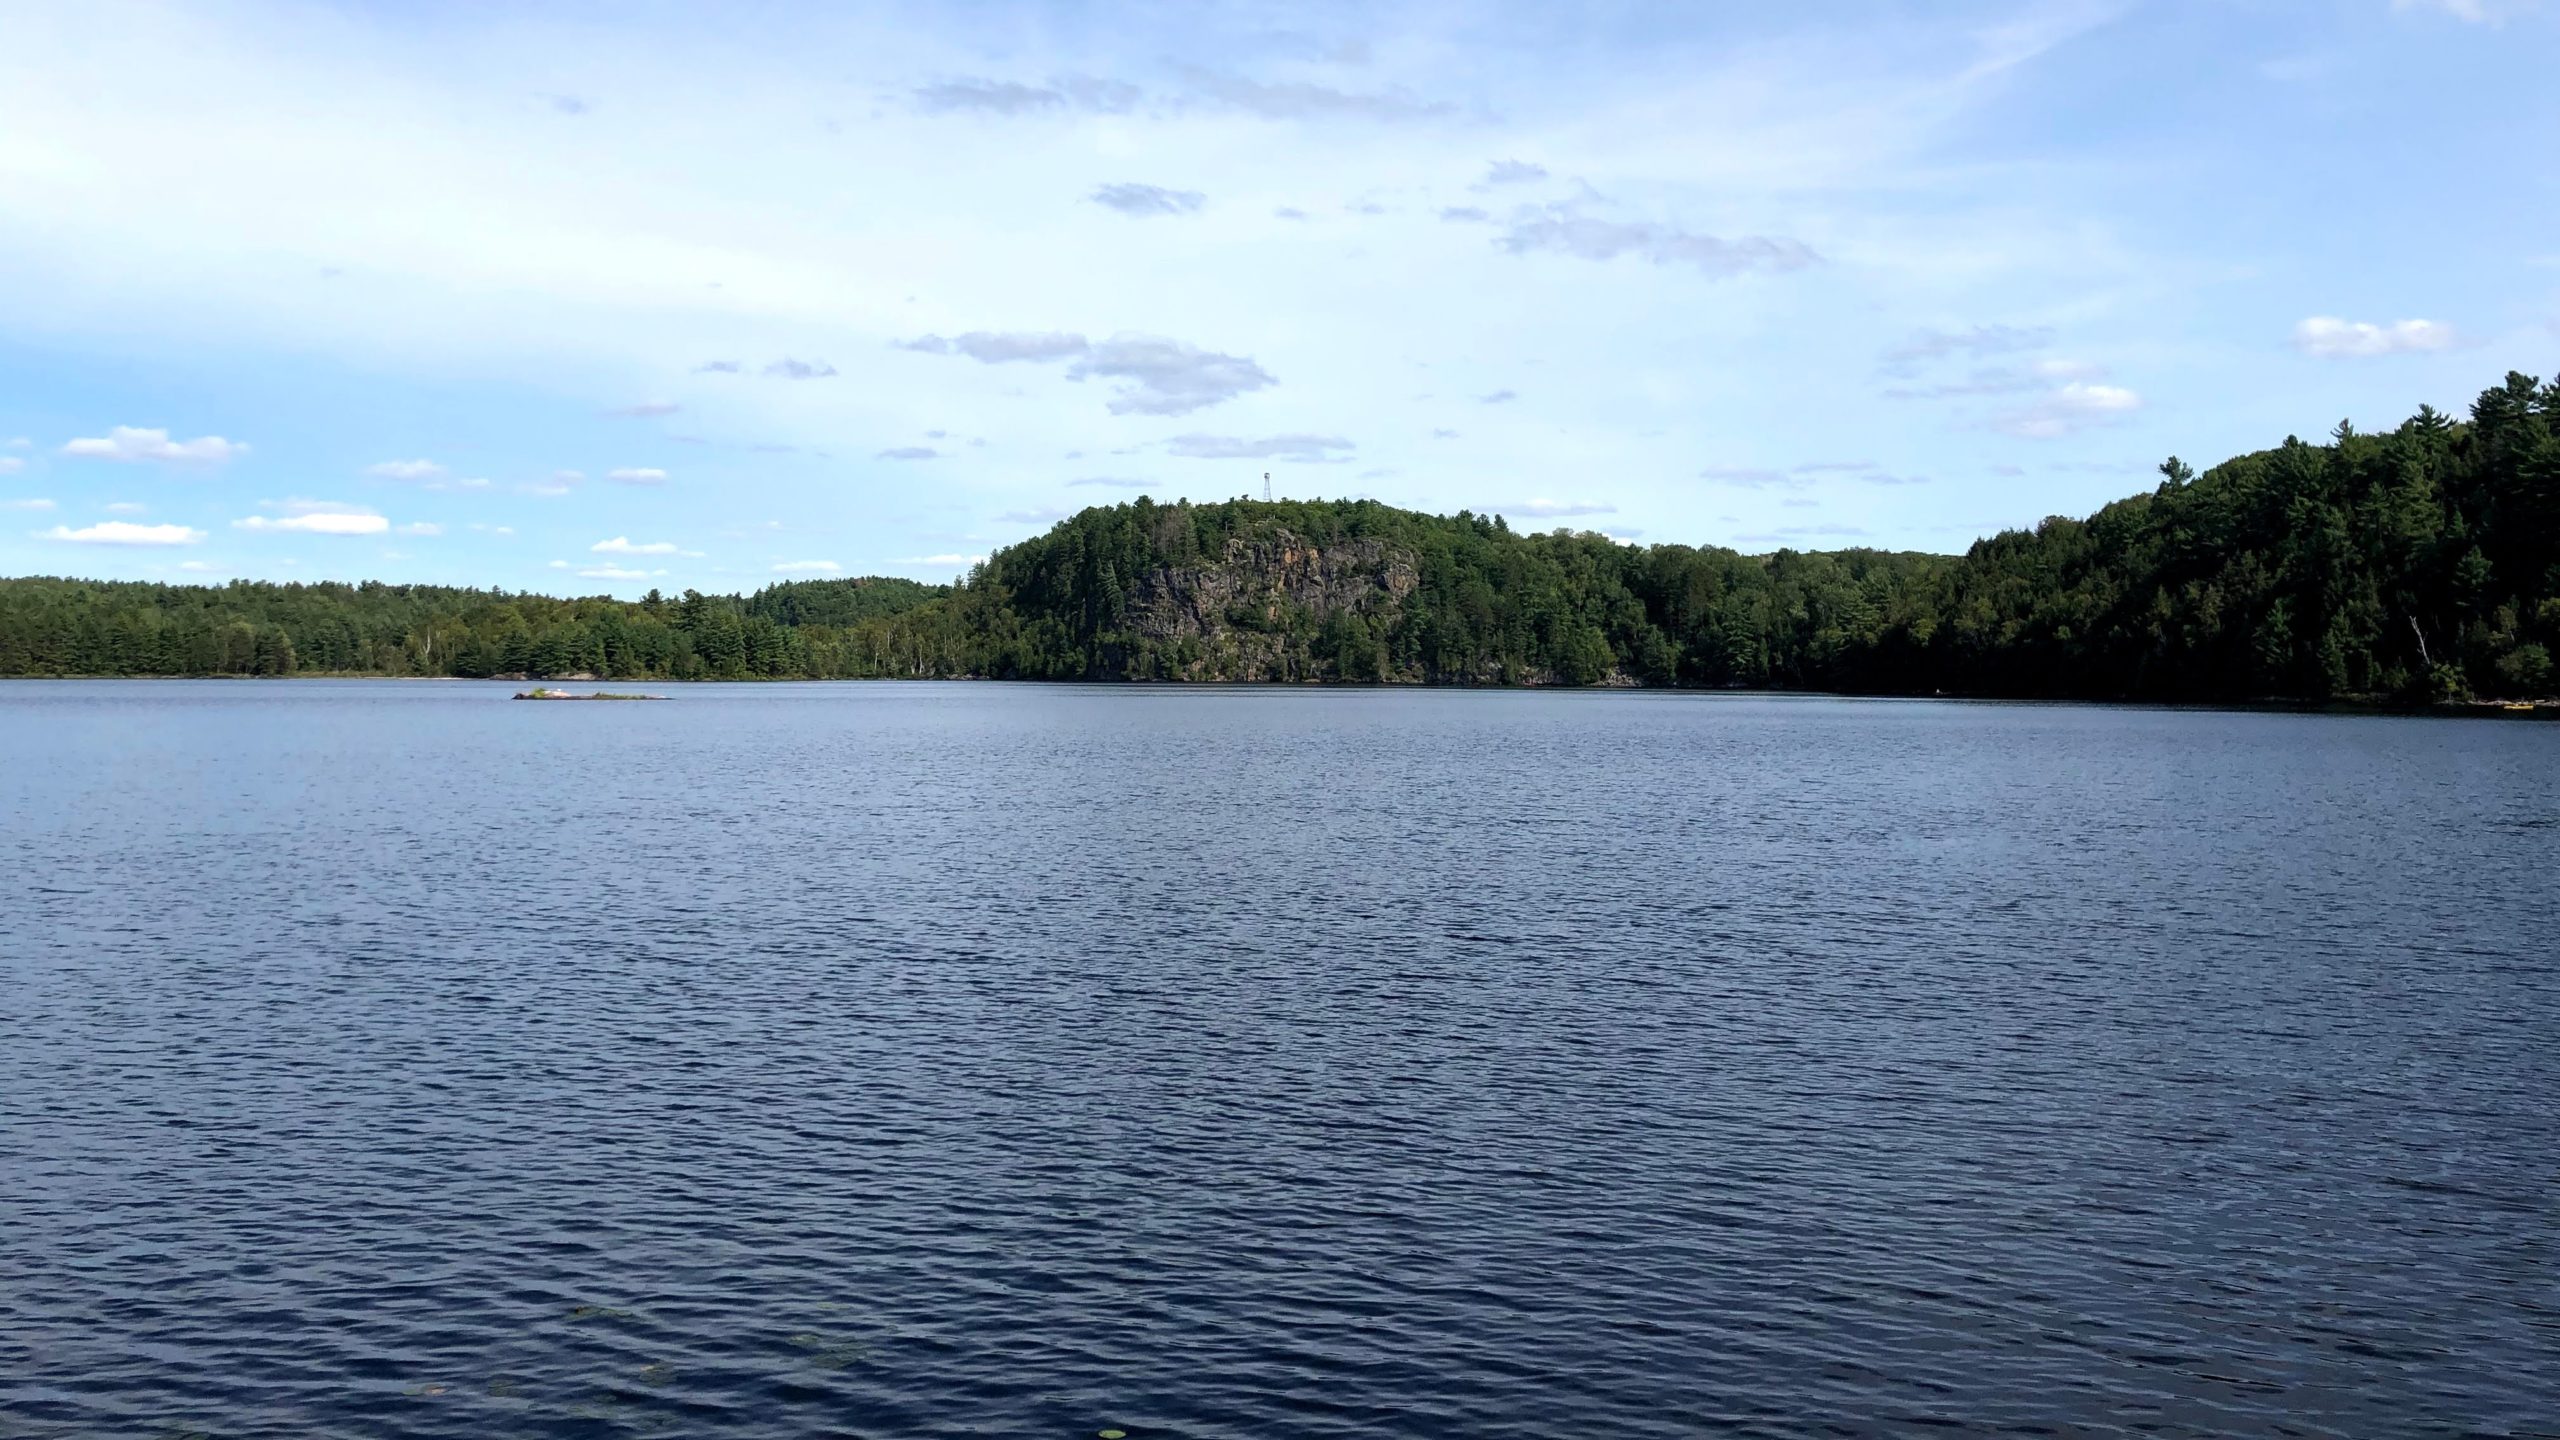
2419,563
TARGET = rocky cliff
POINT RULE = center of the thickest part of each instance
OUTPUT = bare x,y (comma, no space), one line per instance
1267,602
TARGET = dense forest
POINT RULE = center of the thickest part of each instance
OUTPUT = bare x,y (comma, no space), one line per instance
2418,564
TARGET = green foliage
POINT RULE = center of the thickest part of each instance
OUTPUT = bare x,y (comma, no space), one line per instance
2422,562
81,627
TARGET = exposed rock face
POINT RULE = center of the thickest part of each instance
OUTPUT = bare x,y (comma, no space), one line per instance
1240,611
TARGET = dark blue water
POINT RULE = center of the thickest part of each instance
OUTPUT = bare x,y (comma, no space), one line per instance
391,1059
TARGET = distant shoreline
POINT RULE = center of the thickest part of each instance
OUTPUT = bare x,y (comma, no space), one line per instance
2548,709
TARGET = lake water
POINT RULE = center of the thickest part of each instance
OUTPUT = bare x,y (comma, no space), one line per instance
925,1060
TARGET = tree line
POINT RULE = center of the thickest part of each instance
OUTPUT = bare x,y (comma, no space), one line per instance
2415,564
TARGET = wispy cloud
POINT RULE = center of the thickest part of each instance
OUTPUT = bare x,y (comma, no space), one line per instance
1785,534
909,452
1130,198
1081,93
637,475
1558,509
1268,447
405,470
124,532
1299,100
999,348
1998,380
719,367
131,444
1498,397
1976,340
31,503
1167,377
2068,410
1514,172
2472,12
645,410
1202,89
2329,338
1157,376
1558,230
791,369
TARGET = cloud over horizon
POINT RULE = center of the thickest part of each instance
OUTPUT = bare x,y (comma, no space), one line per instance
129,444
125,532
2329,338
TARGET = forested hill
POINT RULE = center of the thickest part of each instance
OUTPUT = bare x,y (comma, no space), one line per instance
2419,563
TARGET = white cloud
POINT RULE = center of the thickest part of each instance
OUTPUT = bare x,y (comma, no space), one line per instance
2329,338
31,504
127,444
11,464
421,527
316,517
560,483
21,442
621,545
507,530
2073,407
637,476
645,410
198,567
617,572
405,470
807,567
124,532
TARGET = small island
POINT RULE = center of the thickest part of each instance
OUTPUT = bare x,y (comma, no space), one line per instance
544,692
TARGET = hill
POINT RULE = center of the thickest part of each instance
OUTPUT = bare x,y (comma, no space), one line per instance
2415,564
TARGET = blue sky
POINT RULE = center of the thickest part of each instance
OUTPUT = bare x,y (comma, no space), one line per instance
590,298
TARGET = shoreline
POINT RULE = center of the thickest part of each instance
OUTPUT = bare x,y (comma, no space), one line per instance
2540,709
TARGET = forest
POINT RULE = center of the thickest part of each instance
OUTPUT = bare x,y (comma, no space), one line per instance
2415,565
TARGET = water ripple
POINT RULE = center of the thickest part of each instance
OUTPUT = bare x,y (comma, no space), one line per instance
969,1060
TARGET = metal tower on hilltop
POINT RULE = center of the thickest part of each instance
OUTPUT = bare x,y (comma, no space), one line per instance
1266,487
